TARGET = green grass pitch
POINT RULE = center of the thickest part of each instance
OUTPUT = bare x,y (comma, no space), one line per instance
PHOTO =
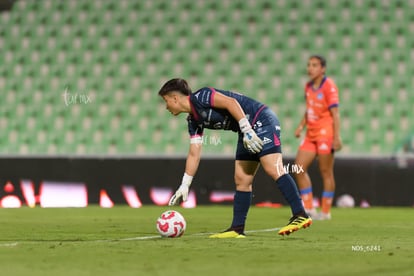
123,241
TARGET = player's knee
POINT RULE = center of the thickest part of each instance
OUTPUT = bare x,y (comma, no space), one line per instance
301,176
245,187
272,171
242,182
326,172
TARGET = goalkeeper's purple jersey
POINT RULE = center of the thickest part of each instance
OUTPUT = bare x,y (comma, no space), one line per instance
205,115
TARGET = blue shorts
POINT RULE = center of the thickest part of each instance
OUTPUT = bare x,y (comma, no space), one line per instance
267,127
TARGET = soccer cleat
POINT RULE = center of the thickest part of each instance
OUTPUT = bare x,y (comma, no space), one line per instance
295,223
228,234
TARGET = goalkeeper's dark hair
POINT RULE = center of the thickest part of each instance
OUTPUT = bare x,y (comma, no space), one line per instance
177,84
321,59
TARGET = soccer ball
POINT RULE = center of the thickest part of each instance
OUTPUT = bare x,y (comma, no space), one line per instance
171,224
345,201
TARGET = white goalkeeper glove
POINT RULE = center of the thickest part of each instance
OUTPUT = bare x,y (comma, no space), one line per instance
250,139
182,192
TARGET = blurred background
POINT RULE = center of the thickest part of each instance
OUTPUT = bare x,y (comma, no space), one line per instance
80,77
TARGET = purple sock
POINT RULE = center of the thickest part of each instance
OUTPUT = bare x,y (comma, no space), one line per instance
241,205
290,192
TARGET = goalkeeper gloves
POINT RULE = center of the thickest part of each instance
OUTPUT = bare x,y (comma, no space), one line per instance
250,139
182,192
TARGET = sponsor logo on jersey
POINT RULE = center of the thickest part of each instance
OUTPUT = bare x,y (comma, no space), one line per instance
258,127
266,140
258,124
218,125
323,146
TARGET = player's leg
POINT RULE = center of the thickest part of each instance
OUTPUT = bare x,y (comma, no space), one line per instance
244,173
243,177
273,165
326,166
306,154
304,159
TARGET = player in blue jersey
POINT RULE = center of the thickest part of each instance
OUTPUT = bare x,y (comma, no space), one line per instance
259,143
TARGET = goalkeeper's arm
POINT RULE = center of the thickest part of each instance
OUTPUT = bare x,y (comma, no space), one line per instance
194,154
191,166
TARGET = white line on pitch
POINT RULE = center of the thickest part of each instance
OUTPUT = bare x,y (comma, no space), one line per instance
195,234
13,244
139,238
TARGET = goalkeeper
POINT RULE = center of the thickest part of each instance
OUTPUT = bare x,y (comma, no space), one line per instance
258,129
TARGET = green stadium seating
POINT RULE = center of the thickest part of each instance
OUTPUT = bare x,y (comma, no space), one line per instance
118,54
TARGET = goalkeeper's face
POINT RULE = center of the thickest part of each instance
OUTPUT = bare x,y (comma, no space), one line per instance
172,103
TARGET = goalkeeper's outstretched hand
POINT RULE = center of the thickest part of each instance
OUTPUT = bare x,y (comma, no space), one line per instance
180,195
182,192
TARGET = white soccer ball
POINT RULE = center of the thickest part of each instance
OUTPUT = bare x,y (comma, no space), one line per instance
345,201
171,224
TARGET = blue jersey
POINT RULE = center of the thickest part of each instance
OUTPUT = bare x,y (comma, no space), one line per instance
205,115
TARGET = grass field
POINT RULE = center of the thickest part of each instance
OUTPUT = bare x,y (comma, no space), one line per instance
123,241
